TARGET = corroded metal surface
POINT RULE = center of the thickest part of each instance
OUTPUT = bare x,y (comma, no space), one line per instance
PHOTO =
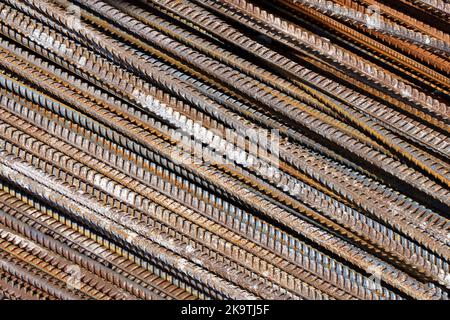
224,149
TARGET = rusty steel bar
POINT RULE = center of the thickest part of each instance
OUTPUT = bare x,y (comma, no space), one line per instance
224,149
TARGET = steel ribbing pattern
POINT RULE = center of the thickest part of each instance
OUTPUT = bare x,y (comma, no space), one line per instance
224,149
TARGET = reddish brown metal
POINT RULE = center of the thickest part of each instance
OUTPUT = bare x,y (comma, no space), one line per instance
128,167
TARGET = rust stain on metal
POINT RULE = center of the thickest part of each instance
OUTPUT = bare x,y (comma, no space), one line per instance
224,149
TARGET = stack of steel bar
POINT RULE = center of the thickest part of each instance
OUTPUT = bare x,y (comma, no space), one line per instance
224,149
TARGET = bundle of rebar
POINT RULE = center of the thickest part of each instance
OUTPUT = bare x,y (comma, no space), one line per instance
224,149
